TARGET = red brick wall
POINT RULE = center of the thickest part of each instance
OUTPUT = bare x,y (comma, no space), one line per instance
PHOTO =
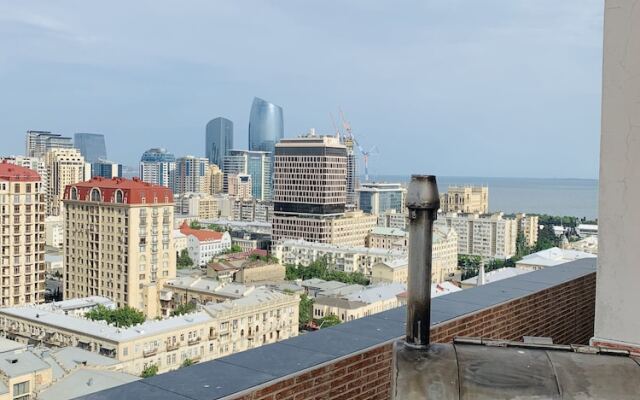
565,313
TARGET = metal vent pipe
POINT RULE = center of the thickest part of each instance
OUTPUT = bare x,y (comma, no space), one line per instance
423,203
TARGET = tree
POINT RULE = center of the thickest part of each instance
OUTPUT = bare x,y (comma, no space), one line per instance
235,248
149,371
547,238
305,313
185,308
184,261
121,317
217,228
329,320
320,269
195,225
187,362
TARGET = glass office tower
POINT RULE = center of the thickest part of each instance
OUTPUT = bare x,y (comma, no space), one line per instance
266,126
218,140
91,146
157,166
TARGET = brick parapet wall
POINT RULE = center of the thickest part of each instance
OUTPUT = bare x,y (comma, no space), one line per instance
564,312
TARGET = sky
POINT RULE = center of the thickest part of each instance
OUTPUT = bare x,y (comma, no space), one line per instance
497,88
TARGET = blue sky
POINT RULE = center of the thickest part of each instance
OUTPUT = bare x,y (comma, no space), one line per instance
469,88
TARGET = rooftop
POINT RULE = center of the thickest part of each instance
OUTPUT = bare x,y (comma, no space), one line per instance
15,173
554,256
496,275
371,251
84,381
132,191
379,230
203,235
273,367
379,292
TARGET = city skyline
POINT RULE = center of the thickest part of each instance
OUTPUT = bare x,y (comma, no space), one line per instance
527,77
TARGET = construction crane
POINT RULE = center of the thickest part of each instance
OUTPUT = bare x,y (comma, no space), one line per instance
350,140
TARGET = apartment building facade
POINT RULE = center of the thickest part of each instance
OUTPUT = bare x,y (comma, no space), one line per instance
487,236
465,199
529,226
118,241
22,236
64,167
204,244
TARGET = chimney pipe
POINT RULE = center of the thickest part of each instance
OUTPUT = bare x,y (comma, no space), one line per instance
423,203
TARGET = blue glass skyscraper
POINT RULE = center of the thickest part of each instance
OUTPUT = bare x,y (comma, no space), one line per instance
266,126
91,146
157,166
218,140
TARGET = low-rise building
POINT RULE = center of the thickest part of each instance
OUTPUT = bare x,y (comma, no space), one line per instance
341,258
393,219
368,301
550,258
465,199
215,330
315,287
197,205
249,241
180,242
352,228
437,290
584,230
204,244
388,238
587,245
391,271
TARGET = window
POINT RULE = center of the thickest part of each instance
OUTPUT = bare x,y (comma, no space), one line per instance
95,194
119,196
21,389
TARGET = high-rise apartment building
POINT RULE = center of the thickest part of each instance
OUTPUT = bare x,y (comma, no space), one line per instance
216,179
91,145
529,226
266,125
310,176
240,186
38,143
257,164
218,139
352,172
34,163
465,199
106,169
64,167
23,236
487,236
191,175
157,167
377,198
118,241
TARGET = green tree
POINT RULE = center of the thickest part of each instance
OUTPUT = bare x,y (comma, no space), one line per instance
329,320
217,228
121,317
187,362
182,309
320,269
305,313
149,371
195,224
547,238
184,261
235,248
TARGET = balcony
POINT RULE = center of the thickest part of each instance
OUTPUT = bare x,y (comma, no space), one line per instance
558,302
193,341
173,346
150,352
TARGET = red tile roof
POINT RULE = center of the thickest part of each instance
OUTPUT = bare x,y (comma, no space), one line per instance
134,191
203,235
15,173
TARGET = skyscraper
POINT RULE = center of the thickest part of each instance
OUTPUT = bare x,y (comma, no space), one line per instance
22,211
257,164
157,166
266,125
91,146
38,143
192,175
218,140
64,167
106,169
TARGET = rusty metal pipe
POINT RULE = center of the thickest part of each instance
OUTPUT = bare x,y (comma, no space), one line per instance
423,203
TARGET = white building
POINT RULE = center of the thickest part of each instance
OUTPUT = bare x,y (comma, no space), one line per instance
584,230
487,236
492,276
54,231
342,258
550,258
203,244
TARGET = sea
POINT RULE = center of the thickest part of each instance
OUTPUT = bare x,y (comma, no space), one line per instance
561,197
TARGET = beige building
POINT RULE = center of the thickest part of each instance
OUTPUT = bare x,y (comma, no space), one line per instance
119,241
528,225
342,258
240,186
64,167
22,243
388,238
368,301
487,236
465,199
550,258
393,219
352,228
35,163
252,210
214,177
215,330
197,205
54,231
444,260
